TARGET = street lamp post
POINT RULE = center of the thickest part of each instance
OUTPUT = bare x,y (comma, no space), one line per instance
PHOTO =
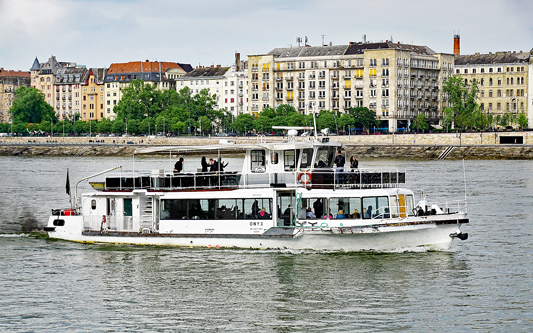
126,120
163,126
90,128
51,128
148,129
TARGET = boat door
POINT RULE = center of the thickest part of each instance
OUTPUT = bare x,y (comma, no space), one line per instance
285,203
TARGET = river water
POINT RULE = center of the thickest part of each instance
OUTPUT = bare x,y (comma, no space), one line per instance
483,284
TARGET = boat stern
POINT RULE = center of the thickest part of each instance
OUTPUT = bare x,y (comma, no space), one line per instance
64,224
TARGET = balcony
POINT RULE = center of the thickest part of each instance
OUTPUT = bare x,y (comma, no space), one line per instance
279,78
289,78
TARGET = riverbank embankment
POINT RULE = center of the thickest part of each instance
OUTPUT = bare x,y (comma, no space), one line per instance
490,145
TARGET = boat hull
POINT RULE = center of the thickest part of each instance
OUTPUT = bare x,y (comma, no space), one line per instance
381,237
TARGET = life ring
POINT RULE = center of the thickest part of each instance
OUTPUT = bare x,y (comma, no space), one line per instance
305,177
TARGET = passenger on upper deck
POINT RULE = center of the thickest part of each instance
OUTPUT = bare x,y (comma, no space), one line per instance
354,163
205,165
214,165
178,166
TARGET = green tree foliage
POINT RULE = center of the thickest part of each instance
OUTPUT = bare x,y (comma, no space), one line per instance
363,116
522,120
420,123
463,111
325,119
29,106
243,122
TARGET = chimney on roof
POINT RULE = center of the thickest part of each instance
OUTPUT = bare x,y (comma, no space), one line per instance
237,61
456,44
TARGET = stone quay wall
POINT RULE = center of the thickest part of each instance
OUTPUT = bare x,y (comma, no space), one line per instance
489,145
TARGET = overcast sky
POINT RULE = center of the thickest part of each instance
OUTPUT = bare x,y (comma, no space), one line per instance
205,32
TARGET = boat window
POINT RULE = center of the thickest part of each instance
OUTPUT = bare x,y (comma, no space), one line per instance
253,208
324,157
93,204
220,209
316,205
376,207
227,209
395,207
128,207
351,207
274,157
258,160
289,159
307,158
199,210
409,205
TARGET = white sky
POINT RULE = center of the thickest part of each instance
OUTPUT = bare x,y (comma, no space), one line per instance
205,32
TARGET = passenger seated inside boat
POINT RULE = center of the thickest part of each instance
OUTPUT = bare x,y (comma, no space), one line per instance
309,214
263,214
341,215
328,215
368,213
356,214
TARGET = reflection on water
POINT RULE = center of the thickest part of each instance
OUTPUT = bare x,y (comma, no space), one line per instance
482,284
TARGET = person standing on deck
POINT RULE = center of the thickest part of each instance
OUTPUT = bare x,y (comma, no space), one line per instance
178,166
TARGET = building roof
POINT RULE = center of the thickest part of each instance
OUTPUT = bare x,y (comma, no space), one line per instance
36,66
99,74
360,48
186,67
206,72
19,74
71,75
493,58
142,67
352,48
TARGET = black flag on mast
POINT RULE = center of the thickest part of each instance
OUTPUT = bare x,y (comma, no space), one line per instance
68,184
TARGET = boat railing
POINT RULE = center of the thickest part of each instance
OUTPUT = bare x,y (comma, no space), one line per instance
446,207
317,179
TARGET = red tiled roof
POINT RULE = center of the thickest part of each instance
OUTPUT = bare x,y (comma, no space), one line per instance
147,67
4,73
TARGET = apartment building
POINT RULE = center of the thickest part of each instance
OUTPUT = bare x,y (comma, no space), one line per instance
398,81
228,84
92,95
9,82
120,75
58,81
504,81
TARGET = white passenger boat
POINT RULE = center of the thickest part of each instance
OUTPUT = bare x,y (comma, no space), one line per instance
288,195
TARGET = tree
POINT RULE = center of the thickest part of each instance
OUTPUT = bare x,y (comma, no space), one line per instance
243,122
139,100
325,119
29,106
119,126
522,120
346,120
420,123
462,98
364,117
205,124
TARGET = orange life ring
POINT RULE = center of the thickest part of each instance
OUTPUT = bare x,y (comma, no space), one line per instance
305,177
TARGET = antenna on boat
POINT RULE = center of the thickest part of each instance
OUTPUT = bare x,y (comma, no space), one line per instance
464,177
314,119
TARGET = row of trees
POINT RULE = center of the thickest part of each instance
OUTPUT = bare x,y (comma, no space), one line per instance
145,109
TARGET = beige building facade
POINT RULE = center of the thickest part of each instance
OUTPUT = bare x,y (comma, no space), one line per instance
60,83
397,81
92,95
504,81
9,82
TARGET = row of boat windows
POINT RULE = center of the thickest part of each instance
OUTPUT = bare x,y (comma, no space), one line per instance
310,208
290,158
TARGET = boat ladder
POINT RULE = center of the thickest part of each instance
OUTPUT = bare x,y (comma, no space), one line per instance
445,153
146,223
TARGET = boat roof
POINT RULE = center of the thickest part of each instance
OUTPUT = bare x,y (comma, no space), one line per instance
237,147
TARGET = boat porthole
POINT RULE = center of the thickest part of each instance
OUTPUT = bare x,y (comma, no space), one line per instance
191,242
